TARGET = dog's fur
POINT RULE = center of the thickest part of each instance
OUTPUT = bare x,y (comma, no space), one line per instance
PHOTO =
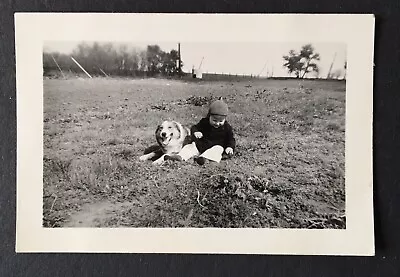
171,136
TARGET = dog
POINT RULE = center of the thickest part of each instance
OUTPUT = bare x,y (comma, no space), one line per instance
171,136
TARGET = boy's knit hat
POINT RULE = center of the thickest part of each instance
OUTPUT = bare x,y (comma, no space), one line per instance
218,107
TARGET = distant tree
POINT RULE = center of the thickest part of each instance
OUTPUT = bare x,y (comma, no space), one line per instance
293,63
160,62
169,64
87,55
143,64
154,59
302,63
126,60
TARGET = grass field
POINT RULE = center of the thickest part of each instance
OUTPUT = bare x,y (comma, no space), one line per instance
287,172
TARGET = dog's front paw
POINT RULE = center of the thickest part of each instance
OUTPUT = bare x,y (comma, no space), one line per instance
143,158
158,162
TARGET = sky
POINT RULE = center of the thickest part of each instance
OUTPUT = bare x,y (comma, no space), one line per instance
256,58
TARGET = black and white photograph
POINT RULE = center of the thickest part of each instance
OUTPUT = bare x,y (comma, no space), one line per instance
129,134
208,128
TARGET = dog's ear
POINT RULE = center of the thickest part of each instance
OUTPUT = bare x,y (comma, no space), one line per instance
158,129
176,127
187,131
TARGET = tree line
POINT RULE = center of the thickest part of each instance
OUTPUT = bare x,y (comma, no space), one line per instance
110,60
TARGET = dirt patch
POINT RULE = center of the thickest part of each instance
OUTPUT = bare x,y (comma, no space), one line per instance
95,214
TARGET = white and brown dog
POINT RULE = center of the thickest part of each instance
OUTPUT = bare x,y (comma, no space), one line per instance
171,136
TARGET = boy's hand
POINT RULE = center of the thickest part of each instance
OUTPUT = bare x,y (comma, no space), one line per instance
198,135
229,151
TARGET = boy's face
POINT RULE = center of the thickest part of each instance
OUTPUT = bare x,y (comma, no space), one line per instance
217,120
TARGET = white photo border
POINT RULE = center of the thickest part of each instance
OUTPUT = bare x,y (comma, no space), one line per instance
355,30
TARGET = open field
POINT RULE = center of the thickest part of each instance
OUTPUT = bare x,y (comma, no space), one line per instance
287,172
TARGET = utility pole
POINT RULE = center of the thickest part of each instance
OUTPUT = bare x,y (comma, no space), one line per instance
201,63
330,69
58,66
180,60
81,68
263,69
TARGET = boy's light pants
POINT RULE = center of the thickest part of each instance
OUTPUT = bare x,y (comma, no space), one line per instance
190,150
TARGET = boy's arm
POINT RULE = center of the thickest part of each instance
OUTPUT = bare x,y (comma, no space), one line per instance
230,140
198,127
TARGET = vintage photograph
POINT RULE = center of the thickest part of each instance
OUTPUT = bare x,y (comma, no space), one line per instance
194,134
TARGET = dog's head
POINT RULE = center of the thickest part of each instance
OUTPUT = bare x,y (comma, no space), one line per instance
167,131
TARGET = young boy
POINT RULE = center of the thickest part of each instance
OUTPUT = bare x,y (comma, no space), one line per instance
212,137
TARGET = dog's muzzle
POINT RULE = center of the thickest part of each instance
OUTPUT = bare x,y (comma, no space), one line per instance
164,139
